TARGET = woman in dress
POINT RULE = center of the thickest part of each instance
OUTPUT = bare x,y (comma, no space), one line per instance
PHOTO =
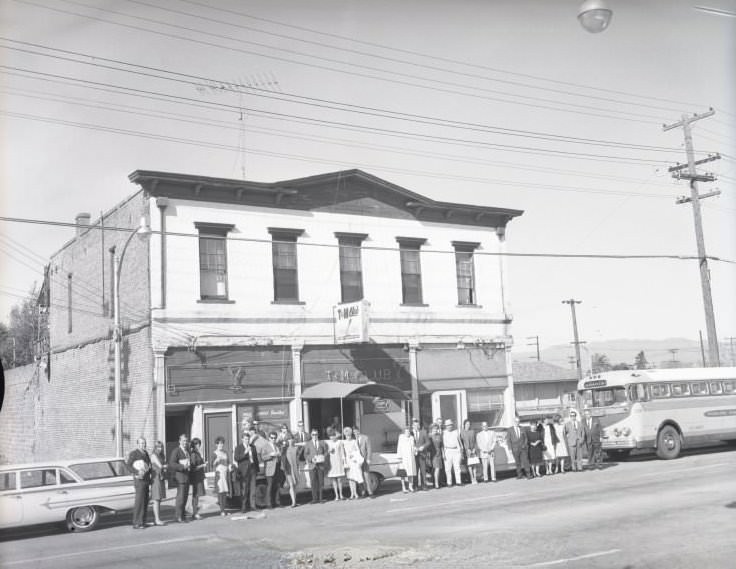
561,452
196,475
406,451
158,481
435,453
467,435
289,464
354,462
337,462
221,466
550,444
536,440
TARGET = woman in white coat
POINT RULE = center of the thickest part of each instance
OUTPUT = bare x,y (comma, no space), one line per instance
407,450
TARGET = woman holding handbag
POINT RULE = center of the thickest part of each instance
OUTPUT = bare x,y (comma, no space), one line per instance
354,464
467,435
158,481
407,450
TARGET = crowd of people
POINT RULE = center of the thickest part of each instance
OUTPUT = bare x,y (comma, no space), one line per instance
440,453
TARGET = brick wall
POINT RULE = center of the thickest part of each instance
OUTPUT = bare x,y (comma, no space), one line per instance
18,415
72,414
85,298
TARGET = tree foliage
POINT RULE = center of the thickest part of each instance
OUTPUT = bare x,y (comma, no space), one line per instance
640,361
600,363
20,338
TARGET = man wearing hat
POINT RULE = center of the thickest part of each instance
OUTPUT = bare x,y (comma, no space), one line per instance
453,449
421,441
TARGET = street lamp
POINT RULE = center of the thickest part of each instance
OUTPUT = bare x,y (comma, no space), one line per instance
594,15
142,231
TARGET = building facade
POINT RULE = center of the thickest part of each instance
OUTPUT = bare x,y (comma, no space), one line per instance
255,301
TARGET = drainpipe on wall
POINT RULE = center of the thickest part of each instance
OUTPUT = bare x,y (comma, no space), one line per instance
162,204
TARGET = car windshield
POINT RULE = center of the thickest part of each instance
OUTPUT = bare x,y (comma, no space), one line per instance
101,469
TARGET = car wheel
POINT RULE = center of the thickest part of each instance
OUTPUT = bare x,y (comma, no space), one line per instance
668,443
373,480
83,518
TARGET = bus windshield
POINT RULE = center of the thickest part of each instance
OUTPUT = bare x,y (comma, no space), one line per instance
604,397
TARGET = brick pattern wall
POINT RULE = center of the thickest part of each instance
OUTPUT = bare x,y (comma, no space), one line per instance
72,415
87,259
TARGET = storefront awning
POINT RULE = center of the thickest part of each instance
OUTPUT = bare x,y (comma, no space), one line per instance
336,390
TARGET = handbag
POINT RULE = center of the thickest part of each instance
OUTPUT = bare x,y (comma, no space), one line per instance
473,460
319,458
401,472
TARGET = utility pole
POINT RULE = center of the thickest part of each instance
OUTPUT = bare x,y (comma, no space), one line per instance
572,302
535,343
695,197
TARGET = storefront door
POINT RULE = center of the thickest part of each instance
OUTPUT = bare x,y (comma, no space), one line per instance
217,425
450,405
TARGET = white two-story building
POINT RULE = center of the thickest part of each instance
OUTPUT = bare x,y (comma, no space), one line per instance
337,295
286,301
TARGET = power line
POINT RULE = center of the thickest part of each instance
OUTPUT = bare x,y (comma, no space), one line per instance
391,59
190,39
294,135
194,80
437,57
269,241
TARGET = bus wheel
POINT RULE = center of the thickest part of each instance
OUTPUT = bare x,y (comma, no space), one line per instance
668,443
618,454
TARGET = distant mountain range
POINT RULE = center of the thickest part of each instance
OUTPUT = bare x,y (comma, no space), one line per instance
659,353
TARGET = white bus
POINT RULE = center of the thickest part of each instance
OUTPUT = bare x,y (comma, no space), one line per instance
662,409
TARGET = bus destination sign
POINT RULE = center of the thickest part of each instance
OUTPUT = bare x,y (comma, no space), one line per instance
595,383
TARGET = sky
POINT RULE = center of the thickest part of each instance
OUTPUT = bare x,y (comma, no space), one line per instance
498,103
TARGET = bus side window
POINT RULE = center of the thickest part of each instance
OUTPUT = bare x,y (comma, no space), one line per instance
729,386
680,390
716,388
699,388
659,390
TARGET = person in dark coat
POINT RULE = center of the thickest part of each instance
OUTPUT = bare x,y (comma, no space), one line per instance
535,437
196,475
421,441
179,462
316,457
436,453
140,463
592,428
519,444
246,459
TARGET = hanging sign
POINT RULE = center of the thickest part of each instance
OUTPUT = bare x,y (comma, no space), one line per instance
351,322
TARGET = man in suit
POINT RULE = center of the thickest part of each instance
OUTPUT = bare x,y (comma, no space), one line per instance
179,464
575,438
246,459
593,440
140,463
316,455
421,442
300,438
270,456
364,446
519,444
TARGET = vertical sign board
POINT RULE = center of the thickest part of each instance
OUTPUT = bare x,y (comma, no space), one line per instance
351,322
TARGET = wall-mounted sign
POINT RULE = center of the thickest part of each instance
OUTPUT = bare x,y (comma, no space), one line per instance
351,322
595,383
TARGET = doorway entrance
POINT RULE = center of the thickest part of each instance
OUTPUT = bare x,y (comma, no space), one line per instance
323,412
217,425
450,405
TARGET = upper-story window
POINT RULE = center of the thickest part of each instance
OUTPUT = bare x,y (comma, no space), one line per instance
411,269
465,269
213,260
351,269
285,275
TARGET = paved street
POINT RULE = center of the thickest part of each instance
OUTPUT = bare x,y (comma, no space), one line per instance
635,514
